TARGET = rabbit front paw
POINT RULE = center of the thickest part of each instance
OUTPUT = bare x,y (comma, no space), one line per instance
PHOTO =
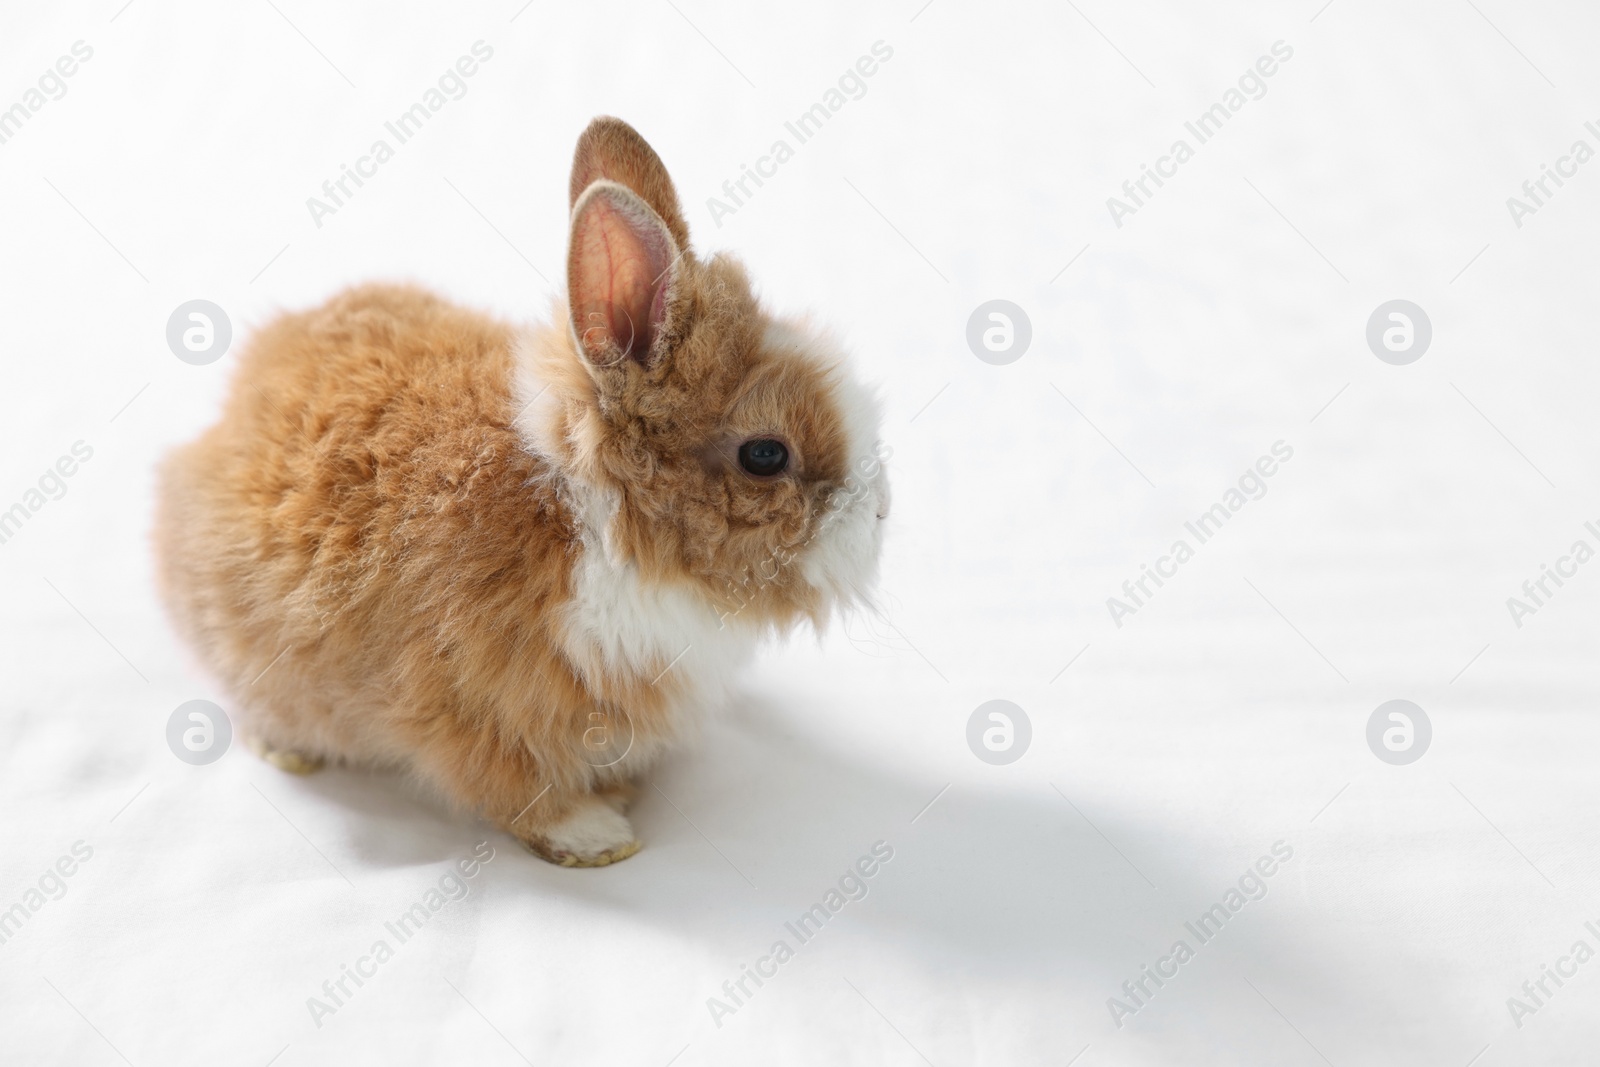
594,834
286,759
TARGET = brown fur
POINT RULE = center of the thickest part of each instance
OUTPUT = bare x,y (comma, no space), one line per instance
374,560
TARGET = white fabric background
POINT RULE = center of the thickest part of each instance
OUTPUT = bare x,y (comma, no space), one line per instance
1172,753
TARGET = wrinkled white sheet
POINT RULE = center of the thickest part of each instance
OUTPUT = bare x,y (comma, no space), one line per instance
1224,719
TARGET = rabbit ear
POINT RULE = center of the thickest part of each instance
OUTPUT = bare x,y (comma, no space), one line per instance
620,270
611,149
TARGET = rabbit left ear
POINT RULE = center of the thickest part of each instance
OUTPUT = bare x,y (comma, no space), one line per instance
611,149
620,268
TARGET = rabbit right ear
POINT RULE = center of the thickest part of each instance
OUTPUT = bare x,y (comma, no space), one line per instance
611,149
621,267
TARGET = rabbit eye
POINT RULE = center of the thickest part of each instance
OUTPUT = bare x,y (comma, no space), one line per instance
763,457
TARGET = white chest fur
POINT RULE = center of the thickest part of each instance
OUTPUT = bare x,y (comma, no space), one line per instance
621,627
620,631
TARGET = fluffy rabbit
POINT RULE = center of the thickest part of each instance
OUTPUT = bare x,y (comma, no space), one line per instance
517,563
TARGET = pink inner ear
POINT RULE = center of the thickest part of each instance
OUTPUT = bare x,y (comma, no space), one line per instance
617,275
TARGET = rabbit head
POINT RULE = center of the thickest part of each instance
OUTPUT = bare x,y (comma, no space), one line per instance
711,445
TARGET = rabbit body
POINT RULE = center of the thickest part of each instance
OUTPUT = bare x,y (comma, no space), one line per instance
519,563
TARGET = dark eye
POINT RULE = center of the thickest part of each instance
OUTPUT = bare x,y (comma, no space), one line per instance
763,457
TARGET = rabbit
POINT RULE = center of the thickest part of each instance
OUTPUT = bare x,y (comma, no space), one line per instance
519,563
